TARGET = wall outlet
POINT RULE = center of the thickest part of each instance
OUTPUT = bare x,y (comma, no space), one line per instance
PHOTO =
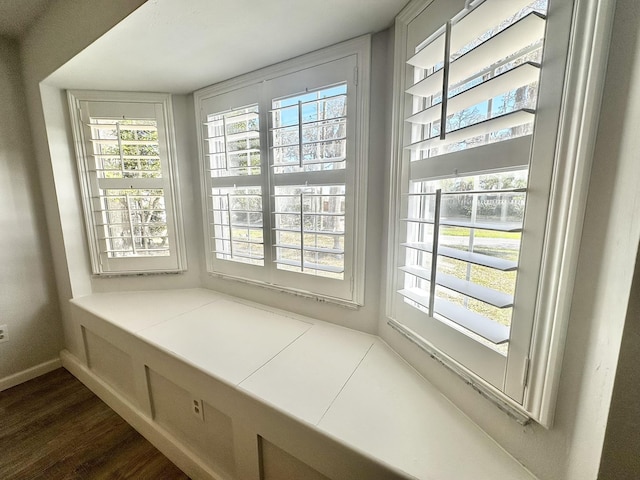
196,408
4,334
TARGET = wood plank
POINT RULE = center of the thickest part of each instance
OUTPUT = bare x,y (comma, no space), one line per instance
53,427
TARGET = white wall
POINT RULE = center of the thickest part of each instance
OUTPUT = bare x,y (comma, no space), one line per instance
620,458
571,450
59,34
28,299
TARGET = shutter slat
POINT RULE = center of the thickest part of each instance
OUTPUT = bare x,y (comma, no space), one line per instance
519,76
311,214
241,117
311,232
123,126
483,18
430,55
309,102
512,227
470,289
234,137
470,257
235,253
336,251
508,154
241,240
326,122
428,86
234,152
476,323
130,183
524,32
110,141
508,120
309,265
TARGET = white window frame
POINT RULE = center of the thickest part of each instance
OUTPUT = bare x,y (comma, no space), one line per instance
541,347
244,90
124,104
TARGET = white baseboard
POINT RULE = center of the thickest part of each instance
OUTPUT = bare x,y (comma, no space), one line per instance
170,447
29,374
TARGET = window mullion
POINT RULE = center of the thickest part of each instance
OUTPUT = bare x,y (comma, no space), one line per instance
268,201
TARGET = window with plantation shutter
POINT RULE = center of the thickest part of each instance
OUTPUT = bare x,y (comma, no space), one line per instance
309,138
232,152
125,166
283,164
475,162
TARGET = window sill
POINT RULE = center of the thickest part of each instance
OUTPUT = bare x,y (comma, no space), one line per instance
351,304
344,384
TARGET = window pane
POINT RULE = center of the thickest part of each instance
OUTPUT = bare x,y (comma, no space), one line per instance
125,148
236,224
309,131
478,245
310,229
133,223
232,142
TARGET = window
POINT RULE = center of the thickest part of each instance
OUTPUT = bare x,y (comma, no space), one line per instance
479,95
283,166
124,150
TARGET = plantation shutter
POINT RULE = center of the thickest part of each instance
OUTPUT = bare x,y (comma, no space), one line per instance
470,109
279,164
312,167
129,205
234,168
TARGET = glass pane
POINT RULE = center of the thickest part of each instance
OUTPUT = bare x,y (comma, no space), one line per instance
310,219
478,241
236,224
125,148
133,223
309,131
232,142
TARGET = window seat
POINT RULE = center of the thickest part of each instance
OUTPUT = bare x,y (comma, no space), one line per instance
272,372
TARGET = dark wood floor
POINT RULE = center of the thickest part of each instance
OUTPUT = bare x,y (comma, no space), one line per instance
53,427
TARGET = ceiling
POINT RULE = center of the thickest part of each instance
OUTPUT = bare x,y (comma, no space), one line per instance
178,47
17,15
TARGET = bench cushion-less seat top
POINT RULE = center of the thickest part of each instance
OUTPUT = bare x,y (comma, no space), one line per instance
346,383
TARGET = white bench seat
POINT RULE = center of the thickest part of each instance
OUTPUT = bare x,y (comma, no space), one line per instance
346,384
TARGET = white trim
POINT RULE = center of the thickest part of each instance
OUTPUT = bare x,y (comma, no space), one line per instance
170,447
29,374
505,404
591,35
357,46
290,290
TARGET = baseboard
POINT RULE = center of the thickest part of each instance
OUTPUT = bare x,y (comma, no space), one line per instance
170,446
29,374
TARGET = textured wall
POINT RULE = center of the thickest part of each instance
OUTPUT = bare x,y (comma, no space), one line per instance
620,458
28,300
